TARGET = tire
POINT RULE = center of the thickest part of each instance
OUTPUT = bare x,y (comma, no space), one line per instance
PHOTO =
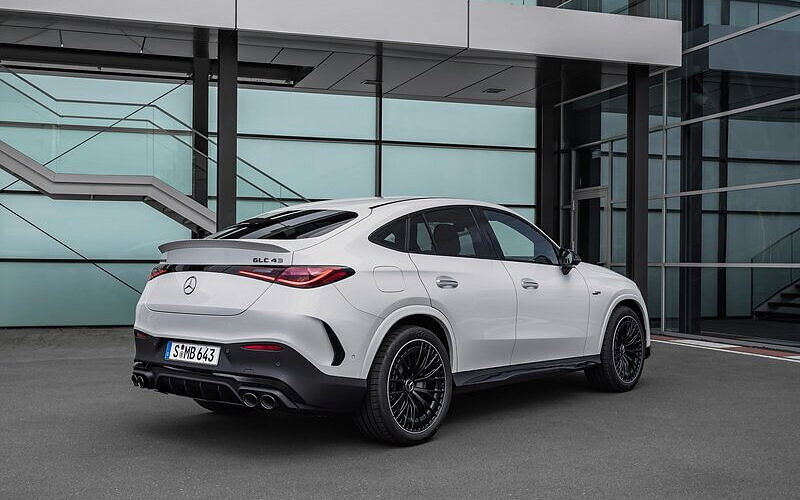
409,387
224,408
622,355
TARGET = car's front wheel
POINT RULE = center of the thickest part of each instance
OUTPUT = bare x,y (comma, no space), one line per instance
408,388
623,352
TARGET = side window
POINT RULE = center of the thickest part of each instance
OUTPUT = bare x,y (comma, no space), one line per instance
419,238
519,240
455,233
392,235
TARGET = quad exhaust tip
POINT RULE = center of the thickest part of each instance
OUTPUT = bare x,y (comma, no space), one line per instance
268,402
250,400
139,381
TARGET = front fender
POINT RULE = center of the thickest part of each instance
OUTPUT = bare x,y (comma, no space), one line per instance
390,320
600,327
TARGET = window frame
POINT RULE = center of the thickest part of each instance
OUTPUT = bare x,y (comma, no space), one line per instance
492,237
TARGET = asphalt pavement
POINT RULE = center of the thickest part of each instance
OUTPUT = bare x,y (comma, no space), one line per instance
700,424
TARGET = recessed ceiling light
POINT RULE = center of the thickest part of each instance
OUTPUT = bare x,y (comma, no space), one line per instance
491,90
371,82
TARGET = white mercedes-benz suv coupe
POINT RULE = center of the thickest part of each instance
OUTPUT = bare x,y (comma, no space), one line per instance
381,307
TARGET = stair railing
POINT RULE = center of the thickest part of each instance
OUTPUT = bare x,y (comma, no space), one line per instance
129,118
785,249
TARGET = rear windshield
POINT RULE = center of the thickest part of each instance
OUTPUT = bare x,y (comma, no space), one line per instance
289,225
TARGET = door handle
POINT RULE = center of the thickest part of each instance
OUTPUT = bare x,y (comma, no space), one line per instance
529,284
446,282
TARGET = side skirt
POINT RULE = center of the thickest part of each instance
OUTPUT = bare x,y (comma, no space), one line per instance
488,377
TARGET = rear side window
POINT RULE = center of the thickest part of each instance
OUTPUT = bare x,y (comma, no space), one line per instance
392,235
455,233
288,225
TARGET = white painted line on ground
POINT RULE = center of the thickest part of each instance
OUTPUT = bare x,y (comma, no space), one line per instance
790,359
704,343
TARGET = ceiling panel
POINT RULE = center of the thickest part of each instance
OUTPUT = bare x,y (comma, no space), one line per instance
332,69
396,70
101,41
301,57
447,78
501,86
257,53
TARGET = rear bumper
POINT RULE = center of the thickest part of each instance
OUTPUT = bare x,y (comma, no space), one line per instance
287,375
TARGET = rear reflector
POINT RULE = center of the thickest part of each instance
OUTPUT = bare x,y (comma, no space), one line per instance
263,347
140,335
298,276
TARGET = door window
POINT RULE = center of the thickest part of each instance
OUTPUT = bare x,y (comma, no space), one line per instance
455,233
520,241
419,238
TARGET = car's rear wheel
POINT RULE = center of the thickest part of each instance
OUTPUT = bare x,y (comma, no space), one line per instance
224,408
408,388
623,352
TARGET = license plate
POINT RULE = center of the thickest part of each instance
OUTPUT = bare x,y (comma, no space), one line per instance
192,353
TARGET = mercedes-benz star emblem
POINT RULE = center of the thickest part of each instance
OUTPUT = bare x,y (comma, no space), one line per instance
189,285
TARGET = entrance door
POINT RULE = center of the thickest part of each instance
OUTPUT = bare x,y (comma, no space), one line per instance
591,226
591,214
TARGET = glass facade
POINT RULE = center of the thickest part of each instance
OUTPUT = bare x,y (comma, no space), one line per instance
724,175
84,262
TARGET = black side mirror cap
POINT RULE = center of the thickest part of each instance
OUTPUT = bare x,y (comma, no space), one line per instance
569,259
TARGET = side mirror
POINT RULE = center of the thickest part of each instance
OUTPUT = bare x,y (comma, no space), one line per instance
569,259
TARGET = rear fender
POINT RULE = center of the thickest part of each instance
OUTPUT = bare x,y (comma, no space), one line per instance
387,324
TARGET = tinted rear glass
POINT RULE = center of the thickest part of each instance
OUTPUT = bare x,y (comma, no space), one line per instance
288,225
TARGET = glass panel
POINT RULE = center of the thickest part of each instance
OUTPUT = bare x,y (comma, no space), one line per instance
506,177
619,231
455,233
96,229
736,73
717,18
313,169
288,225
591,229
302,114
643,8
53,287
591,166
741,303
520,241
619,169
95,136
457,123
737,226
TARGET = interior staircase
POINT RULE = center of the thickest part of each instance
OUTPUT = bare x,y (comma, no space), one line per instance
109,116
784,305
778,287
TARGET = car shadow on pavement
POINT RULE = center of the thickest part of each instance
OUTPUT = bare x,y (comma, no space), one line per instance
274,433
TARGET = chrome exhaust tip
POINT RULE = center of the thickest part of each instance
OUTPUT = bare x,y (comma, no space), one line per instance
142,381
250,400
268,402
135,380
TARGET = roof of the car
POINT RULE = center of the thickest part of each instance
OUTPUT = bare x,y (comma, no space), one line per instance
376,202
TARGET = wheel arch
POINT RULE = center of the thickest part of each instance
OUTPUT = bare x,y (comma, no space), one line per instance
636,303
424,316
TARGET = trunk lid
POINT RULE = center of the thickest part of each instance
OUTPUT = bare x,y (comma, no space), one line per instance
202,287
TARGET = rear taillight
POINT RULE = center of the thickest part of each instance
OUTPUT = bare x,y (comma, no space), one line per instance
158,271
298,276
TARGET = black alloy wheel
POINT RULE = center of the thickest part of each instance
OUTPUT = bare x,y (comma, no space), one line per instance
409,387
416,385
622,353
628,349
